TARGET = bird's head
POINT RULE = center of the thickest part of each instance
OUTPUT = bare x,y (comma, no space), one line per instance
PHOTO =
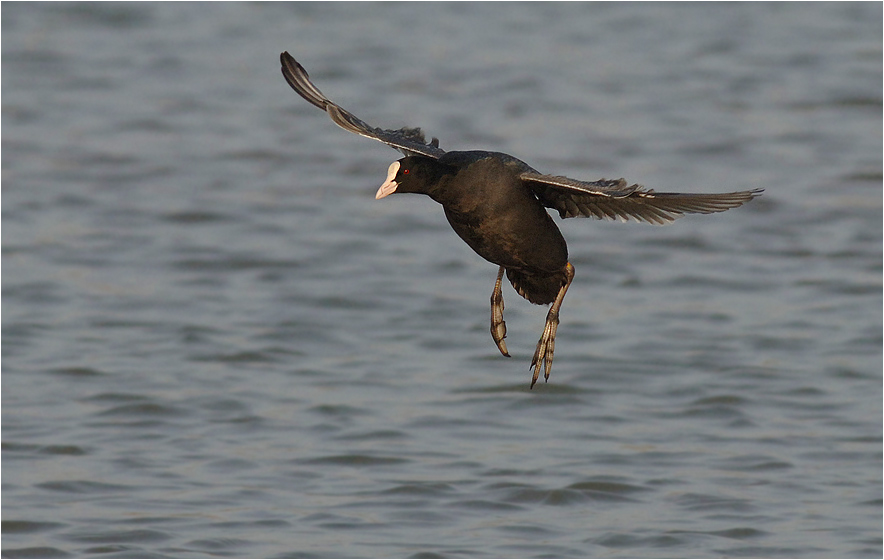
412,174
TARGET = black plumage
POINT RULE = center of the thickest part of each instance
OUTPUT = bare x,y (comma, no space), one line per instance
496,204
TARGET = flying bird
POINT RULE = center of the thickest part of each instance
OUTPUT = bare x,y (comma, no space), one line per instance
497,205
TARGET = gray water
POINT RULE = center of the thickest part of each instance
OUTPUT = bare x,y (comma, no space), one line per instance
216,343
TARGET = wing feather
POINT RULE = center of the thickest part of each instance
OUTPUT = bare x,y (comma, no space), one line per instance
409,141
613,199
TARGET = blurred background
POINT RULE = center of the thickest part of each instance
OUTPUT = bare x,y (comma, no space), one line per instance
216,343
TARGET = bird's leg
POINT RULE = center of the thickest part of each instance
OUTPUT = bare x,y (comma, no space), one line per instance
498,325
543,356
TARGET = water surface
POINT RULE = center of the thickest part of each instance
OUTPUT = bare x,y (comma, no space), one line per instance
217,343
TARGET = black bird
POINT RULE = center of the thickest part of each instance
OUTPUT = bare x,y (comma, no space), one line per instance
496,202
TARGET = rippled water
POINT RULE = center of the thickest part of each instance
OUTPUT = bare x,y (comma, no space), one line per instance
217,343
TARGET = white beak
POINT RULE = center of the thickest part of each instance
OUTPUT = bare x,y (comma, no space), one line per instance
389,186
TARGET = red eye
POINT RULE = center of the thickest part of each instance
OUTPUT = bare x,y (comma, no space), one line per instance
405,171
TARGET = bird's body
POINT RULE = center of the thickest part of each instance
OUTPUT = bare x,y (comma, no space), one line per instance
497,205
494,212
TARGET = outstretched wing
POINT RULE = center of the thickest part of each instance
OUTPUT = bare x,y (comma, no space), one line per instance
613,199
409,141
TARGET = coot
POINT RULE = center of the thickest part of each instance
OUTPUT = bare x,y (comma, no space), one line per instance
496,203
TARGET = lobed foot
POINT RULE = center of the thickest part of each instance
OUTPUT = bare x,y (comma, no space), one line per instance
543,355
498,325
